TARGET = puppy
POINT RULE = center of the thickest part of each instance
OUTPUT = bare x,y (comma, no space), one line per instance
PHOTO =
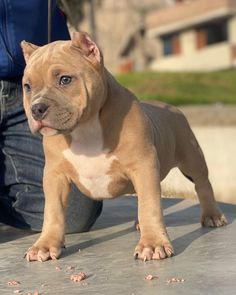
98,136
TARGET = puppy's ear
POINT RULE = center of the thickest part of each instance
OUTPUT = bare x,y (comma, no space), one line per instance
28,49
87,47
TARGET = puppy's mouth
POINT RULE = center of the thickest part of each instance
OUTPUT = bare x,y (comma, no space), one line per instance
43,127
50,120
49,126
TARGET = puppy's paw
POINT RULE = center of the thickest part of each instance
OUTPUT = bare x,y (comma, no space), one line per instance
155,250
213,220
42,251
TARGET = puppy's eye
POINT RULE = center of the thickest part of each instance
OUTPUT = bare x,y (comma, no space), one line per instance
65,80
27,87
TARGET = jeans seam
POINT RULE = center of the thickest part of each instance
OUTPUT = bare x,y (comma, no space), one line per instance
2,97
13,165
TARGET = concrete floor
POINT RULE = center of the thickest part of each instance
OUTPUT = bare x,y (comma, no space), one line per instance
205,258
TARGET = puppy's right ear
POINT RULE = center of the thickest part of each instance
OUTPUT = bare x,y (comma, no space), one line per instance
28,49
87,47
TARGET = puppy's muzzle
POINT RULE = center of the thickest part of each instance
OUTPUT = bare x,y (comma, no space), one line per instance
39,111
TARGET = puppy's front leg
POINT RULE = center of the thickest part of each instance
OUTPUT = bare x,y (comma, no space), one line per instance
154,242
49,244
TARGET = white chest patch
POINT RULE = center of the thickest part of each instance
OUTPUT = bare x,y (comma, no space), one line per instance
87,156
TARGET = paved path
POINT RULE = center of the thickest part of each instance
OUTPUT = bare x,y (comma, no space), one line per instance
205,258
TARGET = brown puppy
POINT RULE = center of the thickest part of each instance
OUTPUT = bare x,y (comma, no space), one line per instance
105,142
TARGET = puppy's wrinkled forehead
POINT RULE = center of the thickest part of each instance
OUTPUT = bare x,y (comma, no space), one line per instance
57,53
73,54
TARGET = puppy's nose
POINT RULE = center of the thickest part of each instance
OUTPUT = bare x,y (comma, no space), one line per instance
39,110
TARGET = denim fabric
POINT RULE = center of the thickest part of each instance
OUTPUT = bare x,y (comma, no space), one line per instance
21,171
26,20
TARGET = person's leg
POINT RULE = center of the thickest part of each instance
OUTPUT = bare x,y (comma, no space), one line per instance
21,170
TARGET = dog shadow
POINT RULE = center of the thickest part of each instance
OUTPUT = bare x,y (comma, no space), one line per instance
116,214
73,249
191,215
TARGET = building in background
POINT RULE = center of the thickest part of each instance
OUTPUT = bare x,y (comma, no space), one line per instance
117,26
195,35
163,35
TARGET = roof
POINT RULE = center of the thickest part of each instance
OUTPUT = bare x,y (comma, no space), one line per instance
187,14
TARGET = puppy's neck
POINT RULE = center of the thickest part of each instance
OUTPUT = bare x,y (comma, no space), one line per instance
87,137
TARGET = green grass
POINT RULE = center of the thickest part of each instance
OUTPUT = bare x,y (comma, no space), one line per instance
183,88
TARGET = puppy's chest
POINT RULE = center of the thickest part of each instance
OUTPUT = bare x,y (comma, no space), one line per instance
93,168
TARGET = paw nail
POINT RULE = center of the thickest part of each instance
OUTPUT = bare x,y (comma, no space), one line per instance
169,252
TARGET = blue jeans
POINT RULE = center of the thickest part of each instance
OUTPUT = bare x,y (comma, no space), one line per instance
21,171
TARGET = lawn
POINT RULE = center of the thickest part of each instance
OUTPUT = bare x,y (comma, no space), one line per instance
183,88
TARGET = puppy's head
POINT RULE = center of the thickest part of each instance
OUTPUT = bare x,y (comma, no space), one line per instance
63,84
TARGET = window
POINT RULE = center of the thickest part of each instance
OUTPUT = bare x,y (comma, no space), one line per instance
211,33
171,44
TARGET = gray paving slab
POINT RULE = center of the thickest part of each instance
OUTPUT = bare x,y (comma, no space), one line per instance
205,258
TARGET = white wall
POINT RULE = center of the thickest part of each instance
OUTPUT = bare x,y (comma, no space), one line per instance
210,58
218,145
232,30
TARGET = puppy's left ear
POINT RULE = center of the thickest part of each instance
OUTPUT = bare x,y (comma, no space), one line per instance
28,49
87,47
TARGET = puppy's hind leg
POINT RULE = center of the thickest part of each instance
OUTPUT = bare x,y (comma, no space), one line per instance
193,165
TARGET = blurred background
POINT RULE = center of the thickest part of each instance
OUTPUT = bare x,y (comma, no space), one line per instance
181,52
